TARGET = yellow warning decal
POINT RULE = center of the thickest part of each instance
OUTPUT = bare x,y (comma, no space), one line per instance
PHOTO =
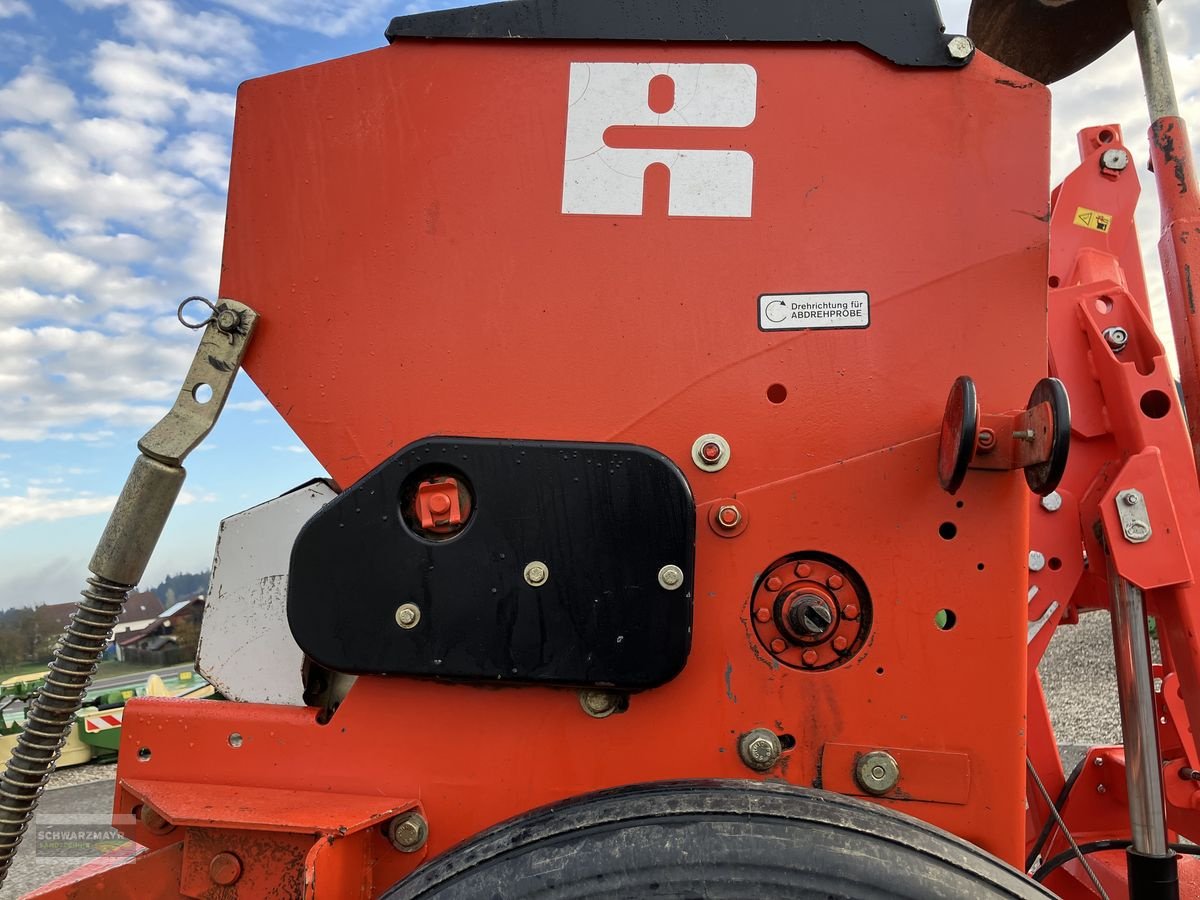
1089,218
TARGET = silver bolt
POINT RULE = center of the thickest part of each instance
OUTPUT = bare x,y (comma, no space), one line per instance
1116,338
877,772
599,704
729,517
1037,561
1130,498
408,832
1114,160
1101,789
408,615
537,573
960,47
760,749
1052,502
670,577
710,452
1098,761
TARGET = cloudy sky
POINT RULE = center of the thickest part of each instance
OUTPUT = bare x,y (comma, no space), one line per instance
115,123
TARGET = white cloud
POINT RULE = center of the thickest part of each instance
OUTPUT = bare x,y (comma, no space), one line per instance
37,505
35,96
329,17
291,448
11,8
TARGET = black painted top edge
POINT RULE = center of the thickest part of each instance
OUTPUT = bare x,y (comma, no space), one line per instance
907,32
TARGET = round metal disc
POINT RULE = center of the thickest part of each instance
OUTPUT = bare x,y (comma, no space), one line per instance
1047,39
960,431
1044,477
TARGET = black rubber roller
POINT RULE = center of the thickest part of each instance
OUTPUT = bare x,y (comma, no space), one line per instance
719,839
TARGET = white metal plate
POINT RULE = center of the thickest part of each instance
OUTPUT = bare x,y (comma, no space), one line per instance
246,648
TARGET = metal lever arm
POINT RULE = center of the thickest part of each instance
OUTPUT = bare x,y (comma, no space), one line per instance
118,564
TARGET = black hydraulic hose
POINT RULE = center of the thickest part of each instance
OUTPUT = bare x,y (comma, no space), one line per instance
1048,828
1061,859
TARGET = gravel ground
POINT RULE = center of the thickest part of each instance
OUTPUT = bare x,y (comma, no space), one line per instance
1077,675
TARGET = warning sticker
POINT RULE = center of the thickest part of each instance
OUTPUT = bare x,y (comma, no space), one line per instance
1089,218
798,312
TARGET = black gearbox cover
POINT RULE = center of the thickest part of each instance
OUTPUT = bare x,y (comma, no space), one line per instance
603,518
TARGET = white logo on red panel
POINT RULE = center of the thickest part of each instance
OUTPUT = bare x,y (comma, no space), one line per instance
603,180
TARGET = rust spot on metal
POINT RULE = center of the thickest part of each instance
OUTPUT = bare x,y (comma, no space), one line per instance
1162,132
1018,85
1187,286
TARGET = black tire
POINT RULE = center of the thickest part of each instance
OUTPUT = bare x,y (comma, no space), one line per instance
714,839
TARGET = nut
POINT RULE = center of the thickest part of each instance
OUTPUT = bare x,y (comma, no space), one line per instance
1052,502
960,47
760,749
729,517
408,616
537,573
599,704
408,832
877,772
670,577
810,657
710,452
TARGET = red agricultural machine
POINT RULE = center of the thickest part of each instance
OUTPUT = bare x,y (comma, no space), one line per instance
654,560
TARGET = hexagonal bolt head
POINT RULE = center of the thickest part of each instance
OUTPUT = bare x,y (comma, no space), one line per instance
408,832
1052,502
537,573
729,517
670,577
877,772
960,47
408,615
599,704
759,749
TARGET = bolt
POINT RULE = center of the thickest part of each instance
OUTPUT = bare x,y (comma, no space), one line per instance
670,577
408,615
1116,338
840,644
986,440
960,47
778,645
763,615
1130,498
810,614
803,570
729,517
1037,561
759,749
599,704
834,582
850,611
1101,789
408,832
774,583
536,573
225,868
1098,761
877,772
1114,160
154,821
710,452
810,657
1052,502
229,320
1025,435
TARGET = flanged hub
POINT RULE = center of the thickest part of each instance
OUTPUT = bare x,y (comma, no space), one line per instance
811,611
